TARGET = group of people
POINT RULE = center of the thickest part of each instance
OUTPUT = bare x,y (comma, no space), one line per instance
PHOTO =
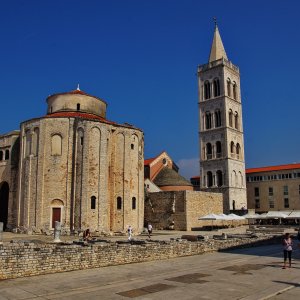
87,236
287,244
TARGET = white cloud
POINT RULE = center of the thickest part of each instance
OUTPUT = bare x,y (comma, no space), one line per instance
189,167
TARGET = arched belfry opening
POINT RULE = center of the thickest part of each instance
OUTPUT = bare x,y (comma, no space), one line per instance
4,196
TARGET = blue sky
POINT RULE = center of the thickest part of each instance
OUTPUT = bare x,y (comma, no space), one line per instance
141,56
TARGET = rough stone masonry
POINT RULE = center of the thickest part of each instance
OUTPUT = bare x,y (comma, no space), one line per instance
19,259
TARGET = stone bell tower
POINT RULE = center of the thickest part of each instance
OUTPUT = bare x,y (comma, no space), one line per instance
222,164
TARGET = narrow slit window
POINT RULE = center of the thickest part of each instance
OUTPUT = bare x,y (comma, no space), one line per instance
93,202
133,203
119,203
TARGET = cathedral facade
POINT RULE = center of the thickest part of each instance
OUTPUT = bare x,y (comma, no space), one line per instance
72,166
222,164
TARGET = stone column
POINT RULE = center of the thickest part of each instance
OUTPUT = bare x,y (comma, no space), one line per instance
57,231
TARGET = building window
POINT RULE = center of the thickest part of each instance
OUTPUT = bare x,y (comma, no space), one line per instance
208,151
216,87
230,116
56,145
93,202
271,191
132,146
206,90
218,149
257,203
209,179
208,120
285,190
299,189
286,203
218,118
219,178
238,150
228,87
236,120
1,155
256,192
81,140
133,203
234,91
6,154
78,106
271,203
119,203
232,148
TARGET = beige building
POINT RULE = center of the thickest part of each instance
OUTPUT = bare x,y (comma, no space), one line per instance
222,165
274,188
170,202
73,166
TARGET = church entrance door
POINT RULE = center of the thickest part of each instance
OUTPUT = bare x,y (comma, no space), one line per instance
56,214
4,195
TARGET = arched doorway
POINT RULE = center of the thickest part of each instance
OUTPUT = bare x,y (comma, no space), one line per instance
56,212
4,195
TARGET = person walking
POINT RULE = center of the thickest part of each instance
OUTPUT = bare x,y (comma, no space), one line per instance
149,230
129,231
287,243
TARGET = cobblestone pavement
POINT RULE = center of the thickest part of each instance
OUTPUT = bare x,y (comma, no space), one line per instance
248,274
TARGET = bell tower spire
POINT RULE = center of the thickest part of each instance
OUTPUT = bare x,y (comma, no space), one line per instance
221,135
217,50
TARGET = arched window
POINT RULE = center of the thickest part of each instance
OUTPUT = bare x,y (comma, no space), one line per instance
1,155
27,143
56,144
35,141
230,118
133,203
234,91
208,151
233,178
78,106
218,149
209,179
218,122
119,203
238,150
232,148
228,87
93,202
208,120
236,120
219,178
216,87
206,90
6,154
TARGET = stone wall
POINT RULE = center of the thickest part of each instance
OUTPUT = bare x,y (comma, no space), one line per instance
180,210
29,259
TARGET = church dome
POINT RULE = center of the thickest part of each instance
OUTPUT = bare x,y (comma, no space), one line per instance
78,101
168,177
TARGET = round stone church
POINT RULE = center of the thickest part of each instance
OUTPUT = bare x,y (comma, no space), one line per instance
73,166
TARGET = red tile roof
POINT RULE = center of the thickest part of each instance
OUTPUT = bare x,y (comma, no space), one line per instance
195,177
148,161
273,168
76,114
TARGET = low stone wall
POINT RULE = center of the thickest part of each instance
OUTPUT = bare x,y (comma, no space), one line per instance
29,259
